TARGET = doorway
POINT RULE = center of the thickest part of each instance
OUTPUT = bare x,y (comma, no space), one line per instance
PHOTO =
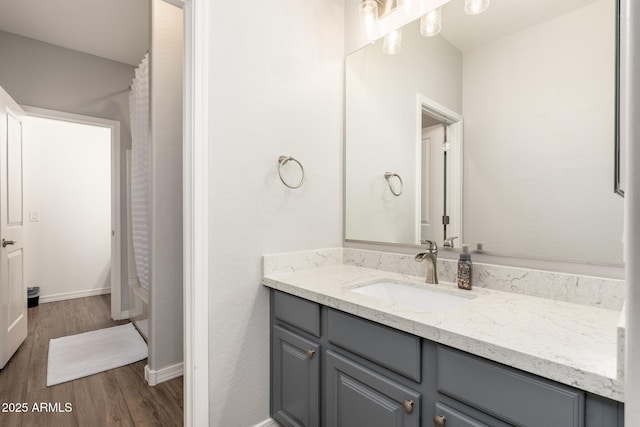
72,204
196,62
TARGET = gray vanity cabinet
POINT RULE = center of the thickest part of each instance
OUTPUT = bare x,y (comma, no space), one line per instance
295,361
518,398
358,396
372,375
333,369
296,379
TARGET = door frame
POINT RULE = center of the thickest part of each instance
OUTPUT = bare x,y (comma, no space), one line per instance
196,210
116,238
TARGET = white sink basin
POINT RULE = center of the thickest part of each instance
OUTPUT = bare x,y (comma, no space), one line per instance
425,299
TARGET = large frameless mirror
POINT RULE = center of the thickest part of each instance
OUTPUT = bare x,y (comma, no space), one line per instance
501,128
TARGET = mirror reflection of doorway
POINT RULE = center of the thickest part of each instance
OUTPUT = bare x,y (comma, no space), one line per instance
439,174
433,192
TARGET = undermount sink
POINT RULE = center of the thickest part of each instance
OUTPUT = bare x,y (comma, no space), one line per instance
413,296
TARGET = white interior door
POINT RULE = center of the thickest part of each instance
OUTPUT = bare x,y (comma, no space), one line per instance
13,294
432,185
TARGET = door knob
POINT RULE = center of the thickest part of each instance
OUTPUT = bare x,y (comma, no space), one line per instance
439,421
7,242
408,406
310,353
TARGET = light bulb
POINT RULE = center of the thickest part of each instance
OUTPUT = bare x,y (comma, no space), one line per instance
369,17
392,42
474,7
408,6
431,23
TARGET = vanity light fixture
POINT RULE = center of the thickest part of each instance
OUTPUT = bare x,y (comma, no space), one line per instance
369,18
474,7
409,6
431,23
392,42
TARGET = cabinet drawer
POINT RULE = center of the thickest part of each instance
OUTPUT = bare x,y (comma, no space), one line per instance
453,418
297,312
515,397
395,350
357,396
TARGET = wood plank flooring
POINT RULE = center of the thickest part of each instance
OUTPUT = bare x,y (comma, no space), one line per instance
119,397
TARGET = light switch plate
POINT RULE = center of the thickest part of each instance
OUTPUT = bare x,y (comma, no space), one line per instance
34,216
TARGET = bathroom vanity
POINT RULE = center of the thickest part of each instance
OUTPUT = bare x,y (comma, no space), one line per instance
526,347
341,358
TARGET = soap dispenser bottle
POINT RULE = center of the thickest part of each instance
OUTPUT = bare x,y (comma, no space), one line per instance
464,269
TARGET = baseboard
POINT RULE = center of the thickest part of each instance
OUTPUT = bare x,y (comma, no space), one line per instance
269,422
73,295
164,374
124,314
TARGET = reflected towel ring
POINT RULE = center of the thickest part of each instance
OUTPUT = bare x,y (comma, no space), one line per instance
388,176
283,160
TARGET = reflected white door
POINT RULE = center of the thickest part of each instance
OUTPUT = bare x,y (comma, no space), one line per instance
13,294
432,185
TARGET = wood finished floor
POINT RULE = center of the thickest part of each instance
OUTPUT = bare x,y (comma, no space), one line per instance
119,397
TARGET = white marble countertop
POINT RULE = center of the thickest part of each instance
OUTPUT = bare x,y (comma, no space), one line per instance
569,343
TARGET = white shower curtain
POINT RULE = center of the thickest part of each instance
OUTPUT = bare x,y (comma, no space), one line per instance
140,151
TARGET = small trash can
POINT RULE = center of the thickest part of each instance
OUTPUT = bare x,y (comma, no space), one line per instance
33,296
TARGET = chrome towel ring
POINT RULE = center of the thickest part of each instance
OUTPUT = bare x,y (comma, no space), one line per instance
388,176
283,161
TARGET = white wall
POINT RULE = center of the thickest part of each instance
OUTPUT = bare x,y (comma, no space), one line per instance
165,269
67,180
544,95
46,76
276,75
382,129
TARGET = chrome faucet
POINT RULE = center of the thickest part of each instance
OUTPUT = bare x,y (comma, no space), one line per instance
432,255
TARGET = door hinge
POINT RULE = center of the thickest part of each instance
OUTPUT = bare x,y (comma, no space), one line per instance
445,219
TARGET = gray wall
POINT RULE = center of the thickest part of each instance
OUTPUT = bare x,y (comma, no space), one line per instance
165,287
47,76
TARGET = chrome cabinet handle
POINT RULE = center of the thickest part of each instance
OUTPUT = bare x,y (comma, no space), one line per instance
310,354
408,406
7,242
439,421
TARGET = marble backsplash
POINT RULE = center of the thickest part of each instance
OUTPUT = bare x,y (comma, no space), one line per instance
585,290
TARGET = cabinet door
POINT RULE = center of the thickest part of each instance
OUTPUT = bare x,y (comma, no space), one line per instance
449,417
357,396
295,379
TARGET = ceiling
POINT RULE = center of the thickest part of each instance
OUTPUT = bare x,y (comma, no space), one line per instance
119,29
113,29
502,18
